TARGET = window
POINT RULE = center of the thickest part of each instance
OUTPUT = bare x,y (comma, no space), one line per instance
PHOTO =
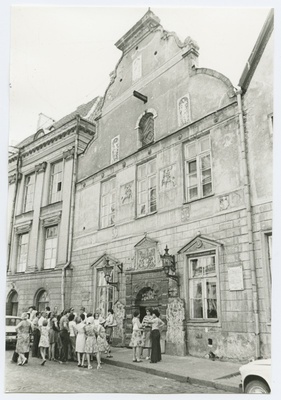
146,186
56,182
104,294
51,243
42,300
203,287
22,252
198,169
29,192
146,129
108,203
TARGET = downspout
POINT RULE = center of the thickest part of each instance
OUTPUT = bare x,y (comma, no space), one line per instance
13,210
71,215
249,222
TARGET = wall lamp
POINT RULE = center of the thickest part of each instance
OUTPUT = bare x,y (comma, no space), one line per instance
169,265
107,270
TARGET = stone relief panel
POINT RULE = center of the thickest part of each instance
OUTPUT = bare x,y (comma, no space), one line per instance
224,202
146,258
185,213
231,200
119,313
115,148
168,178
146,254
127,193
175,316
183,110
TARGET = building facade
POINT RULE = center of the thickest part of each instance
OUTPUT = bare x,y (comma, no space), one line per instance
173,159
42,175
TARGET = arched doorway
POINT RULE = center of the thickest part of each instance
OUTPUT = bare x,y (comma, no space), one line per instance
41,300
146,298
12,303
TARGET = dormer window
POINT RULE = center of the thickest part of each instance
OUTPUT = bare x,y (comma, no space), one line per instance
146,129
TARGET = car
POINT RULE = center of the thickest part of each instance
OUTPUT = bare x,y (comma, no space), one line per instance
256,376
11,334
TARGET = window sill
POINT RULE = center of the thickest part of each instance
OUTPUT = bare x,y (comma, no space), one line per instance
201,198
202,321
146,215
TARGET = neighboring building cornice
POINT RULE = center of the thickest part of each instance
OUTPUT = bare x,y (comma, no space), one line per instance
257,52
48,139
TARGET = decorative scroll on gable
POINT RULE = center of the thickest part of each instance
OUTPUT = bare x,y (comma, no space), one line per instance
147,254
200,243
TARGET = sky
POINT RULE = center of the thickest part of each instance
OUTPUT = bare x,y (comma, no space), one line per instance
61,57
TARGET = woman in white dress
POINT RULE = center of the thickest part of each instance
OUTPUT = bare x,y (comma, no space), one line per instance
80,340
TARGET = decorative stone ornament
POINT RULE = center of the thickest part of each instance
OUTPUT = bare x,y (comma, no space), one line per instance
20,229
184,110
115,149
224,203
119,313
175,325
41,167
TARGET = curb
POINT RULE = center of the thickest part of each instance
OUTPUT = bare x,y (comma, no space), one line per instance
169,375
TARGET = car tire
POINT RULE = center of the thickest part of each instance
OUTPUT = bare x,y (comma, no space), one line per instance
257,386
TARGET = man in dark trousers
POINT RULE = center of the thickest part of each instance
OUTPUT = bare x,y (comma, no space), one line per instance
64,335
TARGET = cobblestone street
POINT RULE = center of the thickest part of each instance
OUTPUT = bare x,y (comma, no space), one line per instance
68,378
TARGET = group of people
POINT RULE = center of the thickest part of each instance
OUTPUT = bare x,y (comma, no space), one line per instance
64,336
146,335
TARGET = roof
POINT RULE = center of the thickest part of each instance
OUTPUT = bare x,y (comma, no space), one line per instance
87,111
257,52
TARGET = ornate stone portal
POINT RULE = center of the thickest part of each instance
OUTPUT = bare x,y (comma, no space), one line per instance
175,338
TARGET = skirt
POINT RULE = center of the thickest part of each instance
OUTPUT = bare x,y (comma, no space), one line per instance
53,336
155,346
136,339
91,345
80,343
147,338
23,343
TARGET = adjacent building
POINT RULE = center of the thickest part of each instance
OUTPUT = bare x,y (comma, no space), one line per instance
42,174
166,200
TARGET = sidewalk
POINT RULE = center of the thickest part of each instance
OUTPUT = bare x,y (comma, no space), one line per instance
219,374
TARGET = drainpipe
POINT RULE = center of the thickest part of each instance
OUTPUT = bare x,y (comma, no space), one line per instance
249,222
71,216
13,210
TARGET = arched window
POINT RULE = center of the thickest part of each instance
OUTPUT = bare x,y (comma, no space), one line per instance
42,300
12,304
146,129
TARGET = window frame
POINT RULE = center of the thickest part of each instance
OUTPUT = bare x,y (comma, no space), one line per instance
108,289
19,248
110,193
26,187
45,241
145,117
51,193
147,179
202,321
199,154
